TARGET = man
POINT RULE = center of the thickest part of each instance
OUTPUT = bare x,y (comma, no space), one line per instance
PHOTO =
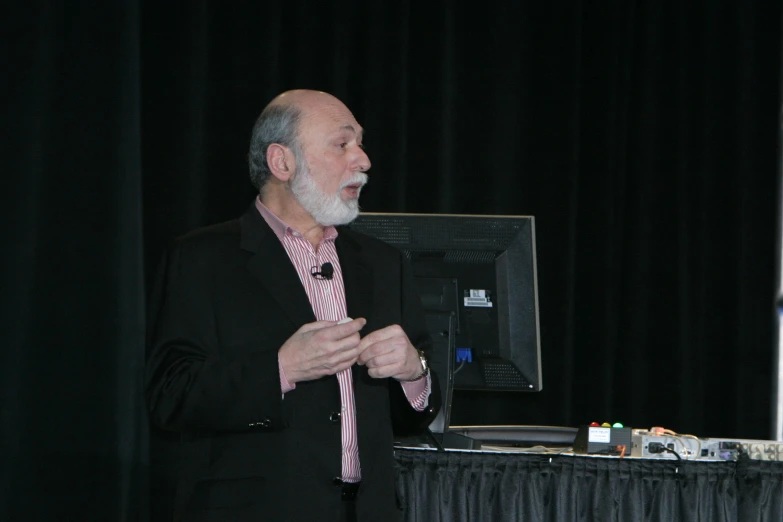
285,348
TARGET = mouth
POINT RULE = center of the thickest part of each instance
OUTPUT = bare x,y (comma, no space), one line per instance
353,189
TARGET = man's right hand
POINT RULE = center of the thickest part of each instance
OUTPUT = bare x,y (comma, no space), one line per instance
320,348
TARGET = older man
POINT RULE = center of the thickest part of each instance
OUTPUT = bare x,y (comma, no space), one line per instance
285,348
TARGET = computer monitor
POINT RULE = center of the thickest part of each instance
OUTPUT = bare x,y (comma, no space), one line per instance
481,269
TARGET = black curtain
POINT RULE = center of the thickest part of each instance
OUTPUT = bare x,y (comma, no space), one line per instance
74,436
642,136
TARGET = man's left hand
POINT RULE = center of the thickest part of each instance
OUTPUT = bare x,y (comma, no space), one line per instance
389,353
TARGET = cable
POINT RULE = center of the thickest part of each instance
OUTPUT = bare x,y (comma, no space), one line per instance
685,450
698,441
618,450
539,450
660,447
663,431
679,459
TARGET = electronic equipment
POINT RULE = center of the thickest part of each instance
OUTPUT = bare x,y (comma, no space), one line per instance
325,272
603,440
483,270
648,445
664,444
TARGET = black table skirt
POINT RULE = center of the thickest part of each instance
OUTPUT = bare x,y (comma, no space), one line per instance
481,486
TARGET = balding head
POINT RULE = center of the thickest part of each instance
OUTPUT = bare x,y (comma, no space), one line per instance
306,100
280,122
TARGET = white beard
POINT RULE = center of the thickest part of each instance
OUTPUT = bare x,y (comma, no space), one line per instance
326,209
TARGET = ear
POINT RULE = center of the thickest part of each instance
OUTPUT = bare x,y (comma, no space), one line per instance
281,161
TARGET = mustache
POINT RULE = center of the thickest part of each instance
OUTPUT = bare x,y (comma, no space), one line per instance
360,177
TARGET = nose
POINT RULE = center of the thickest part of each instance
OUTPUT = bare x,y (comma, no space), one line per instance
362,161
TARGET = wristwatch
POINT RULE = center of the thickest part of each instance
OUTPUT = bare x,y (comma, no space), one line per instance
425,367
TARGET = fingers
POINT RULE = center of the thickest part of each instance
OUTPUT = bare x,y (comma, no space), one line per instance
382,372
345,349
338,344
386,346
388,353
317,325
335,331
383,334
331,347
350,327
379,342
387,365
320,348
391,358
341,361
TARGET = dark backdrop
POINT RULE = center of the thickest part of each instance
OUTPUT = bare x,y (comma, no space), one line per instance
643,137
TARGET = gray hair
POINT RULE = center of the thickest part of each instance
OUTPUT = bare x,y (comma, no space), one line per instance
277,124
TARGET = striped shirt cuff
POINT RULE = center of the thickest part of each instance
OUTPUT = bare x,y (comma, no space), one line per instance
418,392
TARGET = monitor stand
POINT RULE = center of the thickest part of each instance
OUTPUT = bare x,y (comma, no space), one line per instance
451,440
439,441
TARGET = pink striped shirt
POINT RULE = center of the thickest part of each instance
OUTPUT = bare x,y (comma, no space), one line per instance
327,297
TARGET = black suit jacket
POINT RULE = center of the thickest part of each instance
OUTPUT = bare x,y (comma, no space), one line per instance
227,298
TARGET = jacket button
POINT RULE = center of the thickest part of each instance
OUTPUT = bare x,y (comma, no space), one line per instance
335,416
266,423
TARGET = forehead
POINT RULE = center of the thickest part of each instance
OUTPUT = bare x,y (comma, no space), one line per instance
326,120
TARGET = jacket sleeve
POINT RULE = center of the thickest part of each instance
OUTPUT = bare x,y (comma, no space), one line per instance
188,386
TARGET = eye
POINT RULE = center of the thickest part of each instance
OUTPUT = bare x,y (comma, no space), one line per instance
343,144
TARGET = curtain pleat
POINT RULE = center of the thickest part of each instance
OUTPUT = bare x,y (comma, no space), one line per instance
470,486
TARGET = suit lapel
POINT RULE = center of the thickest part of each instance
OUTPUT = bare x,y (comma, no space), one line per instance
272,267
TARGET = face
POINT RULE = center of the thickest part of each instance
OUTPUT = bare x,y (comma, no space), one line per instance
327,208
329,178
